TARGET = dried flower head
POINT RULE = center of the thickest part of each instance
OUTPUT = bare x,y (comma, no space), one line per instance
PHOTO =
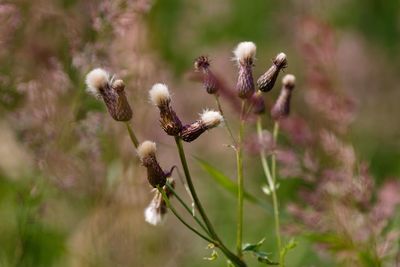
208,120
147,154
281,108
202,64
154,213
100,85
267,81
160,96
245,55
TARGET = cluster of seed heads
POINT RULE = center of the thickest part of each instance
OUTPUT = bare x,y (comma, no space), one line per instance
112,91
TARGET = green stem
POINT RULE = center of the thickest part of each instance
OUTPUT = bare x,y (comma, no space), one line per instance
181,219
132,135
187,208
228,128
235,260
275,136
271,179
239,164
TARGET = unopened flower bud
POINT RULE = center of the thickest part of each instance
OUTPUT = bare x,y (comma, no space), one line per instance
257,100
202,64
155,212
267,81
281,108
208,120
245,55
147,154
160,96
100,85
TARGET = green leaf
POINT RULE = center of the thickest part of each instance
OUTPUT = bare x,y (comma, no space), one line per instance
225,182
253,247
263,257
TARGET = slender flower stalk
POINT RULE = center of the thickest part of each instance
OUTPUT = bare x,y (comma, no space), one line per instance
239,164
132,135
271,179
218,243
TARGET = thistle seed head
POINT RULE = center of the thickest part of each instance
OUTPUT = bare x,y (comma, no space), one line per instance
208,120
155,174
160,96
202,64
146,149
100,85
267,81
281,108
211,118
245,55
97,80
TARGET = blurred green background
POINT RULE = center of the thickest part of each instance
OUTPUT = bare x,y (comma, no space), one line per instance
72,192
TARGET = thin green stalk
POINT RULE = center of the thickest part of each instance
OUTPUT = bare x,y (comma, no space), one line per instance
271,179
132,135
275,136
239,164
235,260
181,219
225,120
187,208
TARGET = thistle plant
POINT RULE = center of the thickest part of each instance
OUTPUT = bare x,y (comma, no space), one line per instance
112,92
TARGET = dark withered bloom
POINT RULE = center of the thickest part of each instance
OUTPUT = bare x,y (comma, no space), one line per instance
160,96
245,55
155,174
154,213
281,108
210,83
208,120
101,85
267,81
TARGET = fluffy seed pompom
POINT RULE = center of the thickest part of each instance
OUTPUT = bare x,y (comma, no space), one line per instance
146,148
159,94
245,52
95,80
211,118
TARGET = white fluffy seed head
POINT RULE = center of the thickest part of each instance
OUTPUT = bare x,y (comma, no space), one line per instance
95,80
146,148
289,81
159,94
211,118
245,51
152,214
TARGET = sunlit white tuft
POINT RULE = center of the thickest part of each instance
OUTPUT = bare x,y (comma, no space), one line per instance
152,214
146,148
245,51
289,80
211,118
159,94
96,79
